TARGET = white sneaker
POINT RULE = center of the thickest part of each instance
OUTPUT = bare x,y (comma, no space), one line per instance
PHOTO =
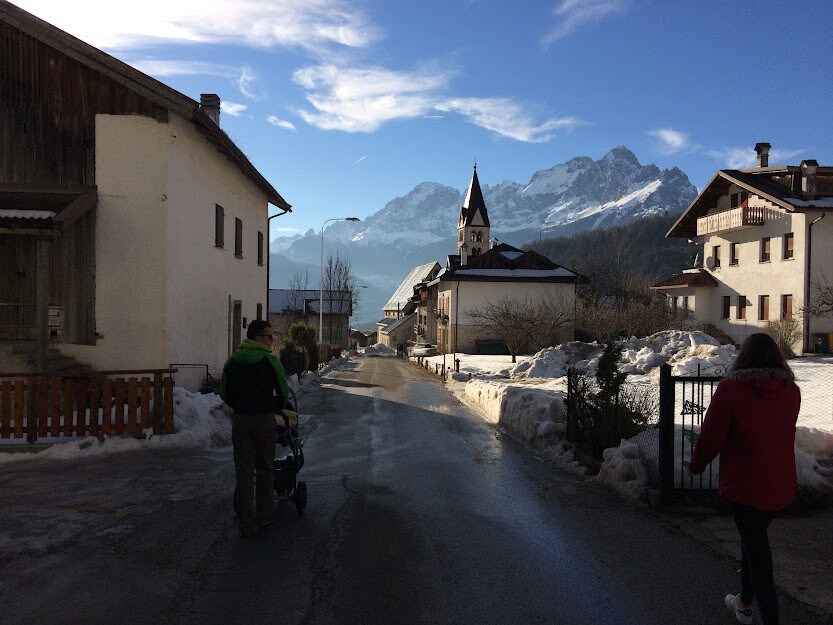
743,613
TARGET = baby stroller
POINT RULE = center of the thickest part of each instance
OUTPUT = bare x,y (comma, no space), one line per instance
287,487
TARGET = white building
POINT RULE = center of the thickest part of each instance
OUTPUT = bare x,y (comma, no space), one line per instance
153,223
767,243
482,273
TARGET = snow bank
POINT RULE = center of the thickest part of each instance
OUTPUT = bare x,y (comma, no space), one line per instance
379,350
534,415
624,471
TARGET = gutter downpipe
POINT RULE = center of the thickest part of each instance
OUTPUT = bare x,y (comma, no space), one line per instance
456,319
269,255
808,346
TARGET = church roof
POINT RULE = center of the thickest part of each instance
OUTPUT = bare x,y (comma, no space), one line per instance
474,202
507,263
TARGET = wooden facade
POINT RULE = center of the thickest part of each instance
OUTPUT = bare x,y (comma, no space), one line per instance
48,105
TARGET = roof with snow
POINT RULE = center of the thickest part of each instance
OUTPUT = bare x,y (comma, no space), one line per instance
474,202
301,301
687,279
505,263
405,291
780,185
398,323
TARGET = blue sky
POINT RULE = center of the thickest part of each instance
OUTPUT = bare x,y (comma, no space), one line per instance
345,105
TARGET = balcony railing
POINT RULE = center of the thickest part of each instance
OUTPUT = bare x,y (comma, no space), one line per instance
732,219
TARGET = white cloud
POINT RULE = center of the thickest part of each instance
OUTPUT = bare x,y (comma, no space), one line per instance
360,160
163,68
576,13
746,158
506,118
232,108
280,123
362,99
309,24
246,81
670,140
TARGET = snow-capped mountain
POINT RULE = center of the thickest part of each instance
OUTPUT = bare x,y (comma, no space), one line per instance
581,194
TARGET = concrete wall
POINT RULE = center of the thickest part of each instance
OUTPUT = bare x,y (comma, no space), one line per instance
475,294
162,287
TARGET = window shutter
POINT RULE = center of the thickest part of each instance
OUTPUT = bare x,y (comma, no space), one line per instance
219,222
260,250
259,311
238,237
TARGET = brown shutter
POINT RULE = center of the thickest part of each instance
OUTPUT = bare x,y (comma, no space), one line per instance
219,222
260,251
238,237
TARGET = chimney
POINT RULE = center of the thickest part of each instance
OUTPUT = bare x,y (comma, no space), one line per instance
808,179
210,103
763,154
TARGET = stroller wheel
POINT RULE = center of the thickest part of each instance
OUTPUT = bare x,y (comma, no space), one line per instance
300,497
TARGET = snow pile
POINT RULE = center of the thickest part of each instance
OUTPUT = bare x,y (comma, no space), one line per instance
624,471
379,350
553,362
534,415
301,382
684,351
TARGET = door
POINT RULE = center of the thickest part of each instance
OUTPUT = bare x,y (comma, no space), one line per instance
236,323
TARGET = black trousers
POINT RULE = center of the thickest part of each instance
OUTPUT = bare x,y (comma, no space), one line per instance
254,438
756,577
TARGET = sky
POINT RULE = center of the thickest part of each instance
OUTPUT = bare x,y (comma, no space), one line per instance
344,106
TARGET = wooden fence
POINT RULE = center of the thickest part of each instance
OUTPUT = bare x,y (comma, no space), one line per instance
88,403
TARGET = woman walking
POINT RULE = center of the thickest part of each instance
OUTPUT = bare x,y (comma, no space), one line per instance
751,424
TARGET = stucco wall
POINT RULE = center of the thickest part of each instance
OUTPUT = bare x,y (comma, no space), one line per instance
822,263
201,277
162,287
131,245
475,294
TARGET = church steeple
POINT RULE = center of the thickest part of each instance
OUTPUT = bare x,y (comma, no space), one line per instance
473,227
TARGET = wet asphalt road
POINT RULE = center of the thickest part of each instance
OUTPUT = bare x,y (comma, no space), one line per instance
418,512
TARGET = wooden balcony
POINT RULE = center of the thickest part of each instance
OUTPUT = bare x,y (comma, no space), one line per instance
732,219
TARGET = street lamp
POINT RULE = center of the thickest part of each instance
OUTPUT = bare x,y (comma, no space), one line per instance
321,279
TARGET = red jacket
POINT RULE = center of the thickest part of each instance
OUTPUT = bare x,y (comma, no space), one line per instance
751,424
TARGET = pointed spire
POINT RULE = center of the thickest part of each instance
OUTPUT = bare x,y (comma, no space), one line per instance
474,201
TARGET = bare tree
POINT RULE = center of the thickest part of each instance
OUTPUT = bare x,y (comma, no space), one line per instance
340,296
525,323
821,298
298,285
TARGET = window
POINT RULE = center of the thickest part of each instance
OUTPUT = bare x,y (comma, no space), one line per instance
734,200
259,310
788,246
685,303
238,238
259,252
727,304
219,226
763,308
739,199
765,250
716,256
741,306
786,307
733,253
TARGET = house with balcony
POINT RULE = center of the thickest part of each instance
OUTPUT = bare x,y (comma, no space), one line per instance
767,246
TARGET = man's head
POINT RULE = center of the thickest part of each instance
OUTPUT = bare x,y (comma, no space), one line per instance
260,331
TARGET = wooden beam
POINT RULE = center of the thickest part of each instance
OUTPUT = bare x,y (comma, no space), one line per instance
32,232
77,208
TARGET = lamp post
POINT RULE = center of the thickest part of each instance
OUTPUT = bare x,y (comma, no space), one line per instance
321,279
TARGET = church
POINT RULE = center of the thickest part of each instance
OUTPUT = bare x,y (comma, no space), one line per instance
482,274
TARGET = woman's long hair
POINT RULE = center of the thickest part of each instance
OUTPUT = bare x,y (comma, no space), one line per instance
760,351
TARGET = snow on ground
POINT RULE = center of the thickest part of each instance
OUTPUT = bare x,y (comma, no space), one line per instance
527,398
379,350
200,420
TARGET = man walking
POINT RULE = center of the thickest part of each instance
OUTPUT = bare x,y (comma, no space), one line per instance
254,385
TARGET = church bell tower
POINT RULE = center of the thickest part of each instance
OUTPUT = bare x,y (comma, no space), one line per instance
473,227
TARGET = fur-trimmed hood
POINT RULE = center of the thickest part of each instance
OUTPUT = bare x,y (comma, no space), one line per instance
766,383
